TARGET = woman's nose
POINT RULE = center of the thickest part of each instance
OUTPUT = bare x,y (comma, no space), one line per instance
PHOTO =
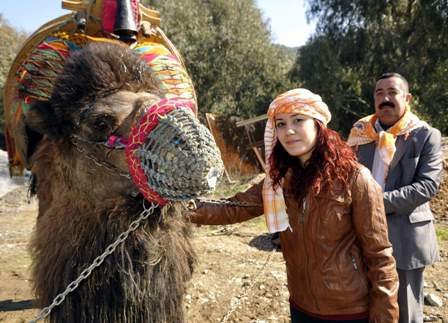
290,131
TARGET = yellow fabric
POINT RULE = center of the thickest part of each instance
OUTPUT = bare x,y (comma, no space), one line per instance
363,132
300,101
82,39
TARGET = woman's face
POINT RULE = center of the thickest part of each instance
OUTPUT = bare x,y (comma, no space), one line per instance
297,134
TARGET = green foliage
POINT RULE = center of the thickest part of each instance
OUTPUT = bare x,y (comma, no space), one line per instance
10,42
357,41
442,233
228,52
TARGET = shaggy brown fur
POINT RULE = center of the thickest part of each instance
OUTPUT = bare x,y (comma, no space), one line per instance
83,207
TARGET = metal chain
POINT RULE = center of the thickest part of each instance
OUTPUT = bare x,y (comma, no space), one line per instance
122,237
96,263
228,202
98,162
239,297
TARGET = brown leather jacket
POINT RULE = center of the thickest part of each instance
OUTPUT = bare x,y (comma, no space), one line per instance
338,255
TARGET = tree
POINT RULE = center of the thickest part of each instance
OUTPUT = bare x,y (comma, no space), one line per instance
356,41
10,42
228,51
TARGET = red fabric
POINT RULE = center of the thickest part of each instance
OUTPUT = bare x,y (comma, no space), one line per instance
150,57
110,10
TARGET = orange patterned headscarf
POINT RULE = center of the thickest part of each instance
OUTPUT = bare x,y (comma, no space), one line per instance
300,101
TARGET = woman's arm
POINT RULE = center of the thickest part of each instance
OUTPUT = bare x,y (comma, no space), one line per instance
370,224
209,213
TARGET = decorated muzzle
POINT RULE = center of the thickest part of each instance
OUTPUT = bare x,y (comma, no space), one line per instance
171,155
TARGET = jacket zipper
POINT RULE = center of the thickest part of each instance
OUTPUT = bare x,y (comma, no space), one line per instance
302,214
354,263
302,221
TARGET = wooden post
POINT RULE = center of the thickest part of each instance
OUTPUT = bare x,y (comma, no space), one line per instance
209,117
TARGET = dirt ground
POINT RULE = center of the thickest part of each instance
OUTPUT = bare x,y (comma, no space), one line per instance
239,277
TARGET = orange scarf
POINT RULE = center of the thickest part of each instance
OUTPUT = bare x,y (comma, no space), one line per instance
363,132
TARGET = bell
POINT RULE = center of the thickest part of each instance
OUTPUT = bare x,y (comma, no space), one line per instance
125,25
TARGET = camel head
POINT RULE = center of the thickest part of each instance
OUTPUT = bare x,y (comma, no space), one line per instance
115,129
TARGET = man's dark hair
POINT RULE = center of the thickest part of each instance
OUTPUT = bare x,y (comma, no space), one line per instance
389,75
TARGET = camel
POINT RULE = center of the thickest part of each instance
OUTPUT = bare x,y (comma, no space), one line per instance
87,198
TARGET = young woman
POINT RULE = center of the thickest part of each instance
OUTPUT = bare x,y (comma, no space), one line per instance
330,215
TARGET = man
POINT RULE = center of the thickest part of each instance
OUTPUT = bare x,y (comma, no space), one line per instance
404,155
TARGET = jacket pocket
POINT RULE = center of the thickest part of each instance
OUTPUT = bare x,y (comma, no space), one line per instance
359,267
421,214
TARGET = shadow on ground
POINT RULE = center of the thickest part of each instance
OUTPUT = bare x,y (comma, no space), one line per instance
264,242
10,305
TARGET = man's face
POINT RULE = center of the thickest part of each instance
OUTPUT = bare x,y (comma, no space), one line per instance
391,100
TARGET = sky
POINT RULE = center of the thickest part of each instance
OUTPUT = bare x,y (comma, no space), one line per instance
286,17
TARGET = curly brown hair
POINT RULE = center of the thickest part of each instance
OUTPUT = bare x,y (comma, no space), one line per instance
330,165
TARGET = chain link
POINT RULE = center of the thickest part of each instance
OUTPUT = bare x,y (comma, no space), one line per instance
228,202
97,262
98,162
233,307
240,297
122,237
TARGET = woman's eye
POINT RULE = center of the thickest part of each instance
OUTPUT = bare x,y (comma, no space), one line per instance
279,124
298,120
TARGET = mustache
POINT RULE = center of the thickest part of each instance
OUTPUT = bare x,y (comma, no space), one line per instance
386,104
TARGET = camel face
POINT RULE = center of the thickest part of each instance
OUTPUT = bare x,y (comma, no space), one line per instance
102,106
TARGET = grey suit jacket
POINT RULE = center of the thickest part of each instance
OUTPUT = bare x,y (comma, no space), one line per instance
414,178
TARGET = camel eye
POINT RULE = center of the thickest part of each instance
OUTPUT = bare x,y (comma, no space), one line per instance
103,123
100,125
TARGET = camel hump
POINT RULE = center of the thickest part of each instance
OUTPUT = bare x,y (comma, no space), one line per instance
34,71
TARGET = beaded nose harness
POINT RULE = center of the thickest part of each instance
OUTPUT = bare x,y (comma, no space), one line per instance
171,156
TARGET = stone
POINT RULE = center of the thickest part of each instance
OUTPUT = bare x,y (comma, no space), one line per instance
246,284
429,318
434,300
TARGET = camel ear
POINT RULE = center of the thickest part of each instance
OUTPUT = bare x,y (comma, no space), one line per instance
42,120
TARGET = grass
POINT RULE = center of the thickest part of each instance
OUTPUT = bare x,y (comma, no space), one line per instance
226,190
258,224
442,234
